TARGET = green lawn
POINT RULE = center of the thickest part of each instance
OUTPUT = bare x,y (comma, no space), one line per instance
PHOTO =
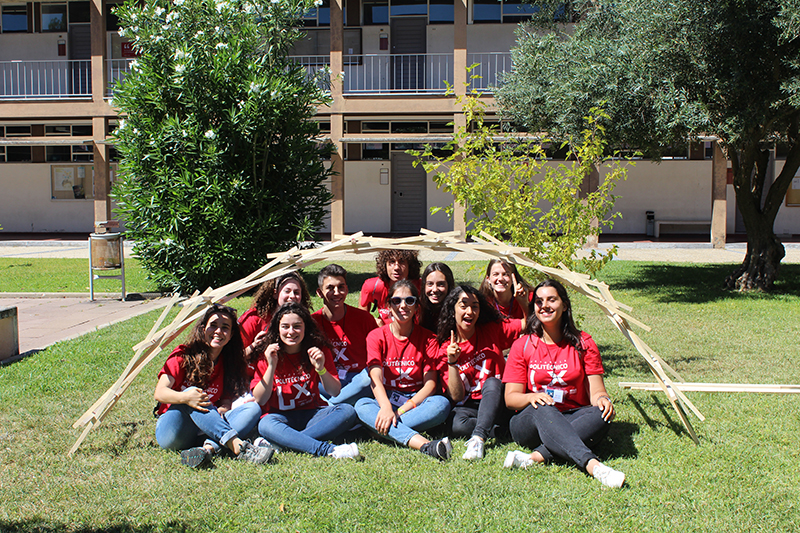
66,275
744,476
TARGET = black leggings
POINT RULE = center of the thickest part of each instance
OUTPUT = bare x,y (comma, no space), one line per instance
477,418
567,435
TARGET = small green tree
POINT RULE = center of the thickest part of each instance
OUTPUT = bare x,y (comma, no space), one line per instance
513,192
219,163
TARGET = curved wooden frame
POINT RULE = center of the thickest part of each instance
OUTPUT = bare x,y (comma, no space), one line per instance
295,259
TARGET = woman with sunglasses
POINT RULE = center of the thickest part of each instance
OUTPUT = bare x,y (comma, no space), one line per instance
403,366
554,380
286,385
391,267
472,336
194,391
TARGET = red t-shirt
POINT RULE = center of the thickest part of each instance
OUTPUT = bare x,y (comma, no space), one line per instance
294,387
250,325
482,355
348,337
404,363
514,310
374,290
557,369
173,367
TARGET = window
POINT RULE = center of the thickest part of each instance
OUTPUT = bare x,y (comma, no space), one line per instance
15,19
318,16
409,7
441,12
75,152
17,154
79,12
54,17
376,12
508,11
112,21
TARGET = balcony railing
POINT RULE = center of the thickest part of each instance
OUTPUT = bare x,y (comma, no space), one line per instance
489,67
117,69
397,73
45,79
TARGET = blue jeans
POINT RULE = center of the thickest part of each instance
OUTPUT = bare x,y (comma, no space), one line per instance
182,427
430,413
355,385
307,430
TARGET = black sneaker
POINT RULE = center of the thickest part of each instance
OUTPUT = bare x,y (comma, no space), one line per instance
439,449
196,457
255,454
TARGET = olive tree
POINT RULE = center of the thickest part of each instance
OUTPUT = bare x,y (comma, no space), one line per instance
668,73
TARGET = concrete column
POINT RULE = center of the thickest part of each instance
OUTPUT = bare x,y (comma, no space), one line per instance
459,209
102,184
98,44
590,185
719,203
337,119
460,48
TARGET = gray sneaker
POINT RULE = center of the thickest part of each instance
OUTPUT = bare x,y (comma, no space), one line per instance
197,457
255,454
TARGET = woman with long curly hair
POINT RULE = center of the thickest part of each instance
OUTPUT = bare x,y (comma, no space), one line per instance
391,267
286,385
554,380
506,289
195,388
472,336
437,282
270,296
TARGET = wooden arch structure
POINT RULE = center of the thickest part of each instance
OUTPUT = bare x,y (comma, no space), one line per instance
667,380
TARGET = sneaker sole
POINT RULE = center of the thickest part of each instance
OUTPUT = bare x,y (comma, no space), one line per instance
194,458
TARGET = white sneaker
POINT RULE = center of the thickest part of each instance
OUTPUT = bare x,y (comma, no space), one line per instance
608,476
474,449
346,451
264,443
518,459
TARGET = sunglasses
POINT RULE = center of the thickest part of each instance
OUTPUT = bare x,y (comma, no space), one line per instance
409,300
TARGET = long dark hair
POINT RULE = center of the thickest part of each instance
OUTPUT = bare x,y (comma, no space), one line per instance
486,288
265,300
430,312
569,330
197,359
411,257
312,336
447,317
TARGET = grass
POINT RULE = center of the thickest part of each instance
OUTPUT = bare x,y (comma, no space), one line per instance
66,275
742,477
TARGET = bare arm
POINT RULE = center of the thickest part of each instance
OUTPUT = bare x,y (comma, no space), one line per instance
263,389
193,396
599,396
517,398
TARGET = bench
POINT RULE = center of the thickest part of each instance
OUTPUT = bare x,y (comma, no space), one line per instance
9,333
659,223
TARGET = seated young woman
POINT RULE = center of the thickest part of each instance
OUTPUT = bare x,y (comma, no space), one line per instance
286,385
472,336
195,388
391,267
506,290
437,282
403,367
270,296
554,379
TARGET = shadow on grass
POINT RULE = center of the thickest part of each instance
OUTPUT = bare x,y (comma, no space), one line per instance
692,283
670,420
39,526
619,442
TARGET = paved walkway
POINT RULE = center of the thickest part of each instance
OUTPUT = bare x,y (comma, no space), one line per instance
48,318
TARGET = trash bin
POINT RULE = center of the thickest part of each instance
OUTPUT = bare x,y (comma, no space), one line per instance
650,227
105,253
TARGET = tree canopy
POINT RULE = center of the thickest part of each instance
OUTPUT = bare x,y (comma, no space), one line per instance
670,72
219,162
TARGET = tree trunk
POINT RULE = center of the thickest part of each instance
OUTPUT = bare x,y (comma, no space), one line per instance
760,267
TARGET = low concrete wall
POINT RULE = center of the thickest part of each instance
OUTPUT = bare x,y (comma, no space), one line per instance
9,333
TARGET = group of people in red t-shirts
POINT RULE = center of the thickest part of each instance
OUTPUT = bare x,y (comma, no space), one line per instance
432,357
